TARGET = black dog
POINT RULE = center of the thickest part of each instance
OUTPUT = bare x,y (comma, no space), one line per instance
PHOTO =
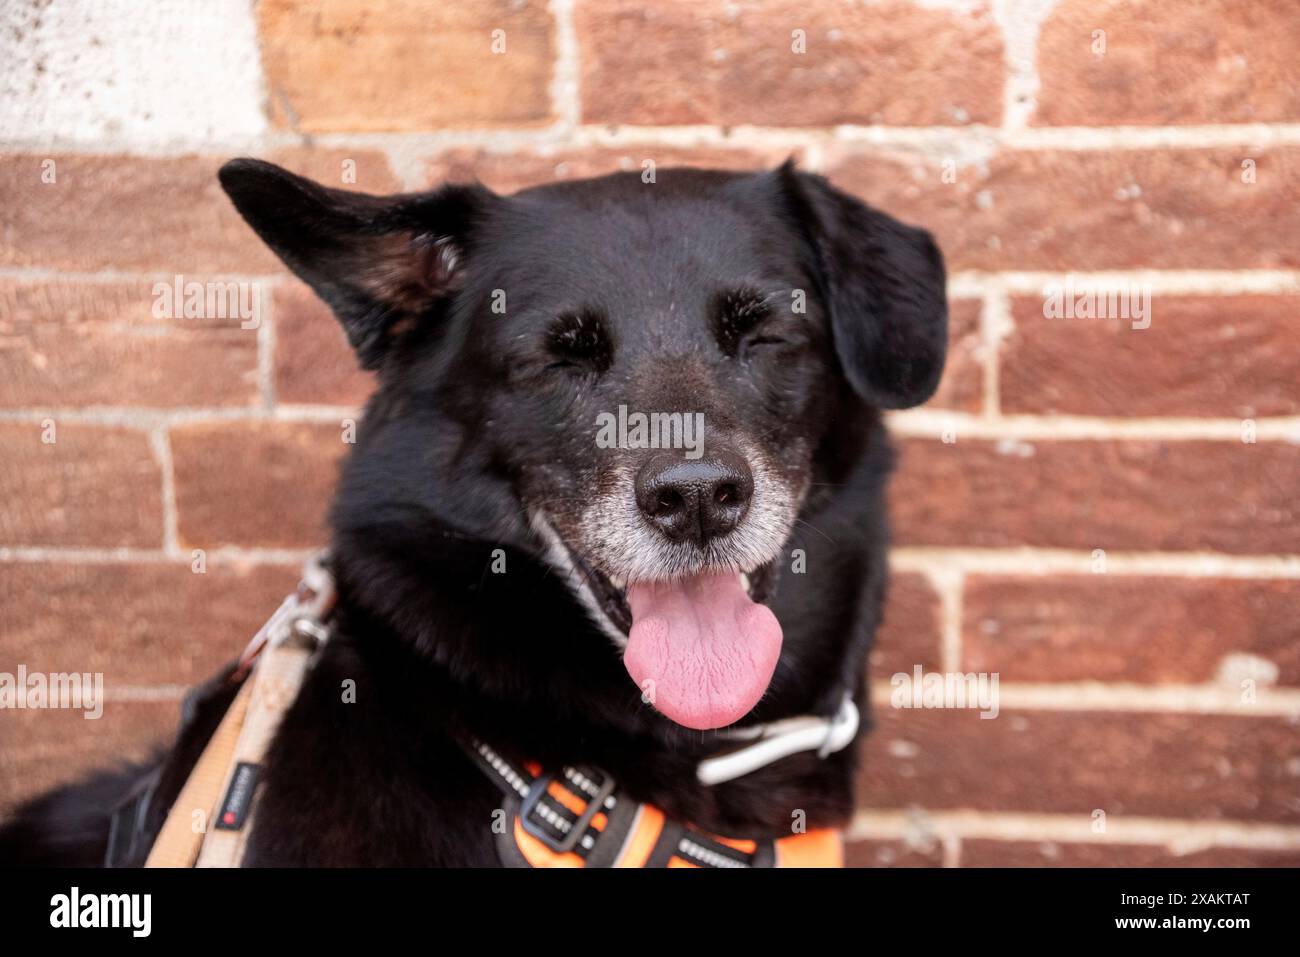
503,572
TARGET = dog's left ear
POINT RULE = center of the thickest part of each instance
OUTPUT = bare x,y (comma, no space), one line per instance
884,284
380,262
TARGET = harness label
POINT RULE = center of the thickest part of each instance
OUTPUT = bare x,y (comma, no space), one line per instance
239,797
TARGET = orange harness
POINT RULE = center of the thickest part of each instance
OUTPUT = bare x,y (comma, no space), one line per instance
579,818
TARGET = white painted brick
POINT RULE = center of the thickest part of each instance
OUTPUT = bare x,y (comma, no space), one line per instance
129,74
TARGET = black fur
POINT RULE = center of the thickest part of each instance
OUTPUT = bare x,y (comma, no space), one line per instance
612,292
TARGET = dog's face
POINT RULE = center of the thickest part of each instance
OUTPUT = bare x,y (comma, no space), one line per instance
643,374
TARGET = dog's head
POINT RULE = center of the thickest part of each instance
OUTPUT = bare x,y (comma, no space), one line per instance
642,374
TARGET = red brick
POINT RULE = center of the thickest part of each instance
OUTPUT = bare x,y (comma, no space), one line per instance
692,62
165,623
885,853
1119,495
91,487
1117,628
987,853
1169,62
255,484
353,169
962,386
65,343
1220,356
345,65
313,361
46,749
909,635
1092,209
1193,766
131,213
507,172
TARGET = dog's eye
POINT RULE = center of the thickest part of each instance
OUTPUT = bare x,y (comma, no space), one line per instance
736,315
580,340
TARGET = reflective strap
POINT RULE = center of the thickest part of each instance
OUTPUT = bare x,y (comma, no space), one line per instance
181,836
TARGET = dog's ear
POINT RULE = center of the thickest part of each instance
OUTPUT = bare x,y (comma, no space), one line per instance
884,284
376,261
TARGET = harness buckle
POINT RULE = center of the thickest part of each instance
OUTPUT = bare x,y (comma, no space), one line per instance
541,821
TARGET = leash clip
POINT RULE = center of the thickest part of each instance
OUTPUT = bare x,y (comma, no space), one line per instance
304,616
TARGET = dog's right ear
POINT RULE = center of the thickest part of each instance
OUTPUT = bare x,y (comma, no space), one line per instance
377,261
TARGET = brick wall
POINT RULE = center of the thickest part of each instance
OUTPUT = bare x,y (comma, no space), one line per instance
1105,515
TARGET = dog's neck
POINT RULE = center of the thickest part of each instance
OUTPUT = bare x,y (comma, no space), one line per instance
515,660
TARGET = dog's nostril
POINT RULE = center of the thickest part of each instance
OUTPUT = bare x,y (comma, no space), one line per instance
694,500
669,501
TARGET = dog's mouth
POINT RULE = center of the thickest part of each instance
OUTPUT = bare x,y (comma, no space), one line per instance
701,647
612,595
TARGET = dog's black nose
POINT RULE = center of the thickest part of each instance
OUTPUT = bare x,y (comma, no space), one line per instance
694,500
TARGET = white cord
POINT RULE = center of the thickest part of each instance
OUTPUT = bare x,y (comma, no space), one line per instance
781,739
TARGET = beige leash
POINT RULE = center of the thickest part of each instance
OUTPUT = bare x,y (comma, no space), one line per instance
209,824
182,833
276,681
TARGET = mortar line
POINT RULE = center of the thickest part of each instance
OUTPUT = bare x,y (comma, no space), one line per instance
965,283
995,325
149,418
952,847
266,345
973,139
935,423
1037,562
1127,697
1178,835
1272,703
566,93
926,560
48,273
949,585
75,554
914,423
1182,282
160,442
130,694
1019,23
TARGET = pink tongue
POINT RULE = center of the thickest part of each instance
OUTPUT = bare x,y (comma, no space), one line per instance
700,650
